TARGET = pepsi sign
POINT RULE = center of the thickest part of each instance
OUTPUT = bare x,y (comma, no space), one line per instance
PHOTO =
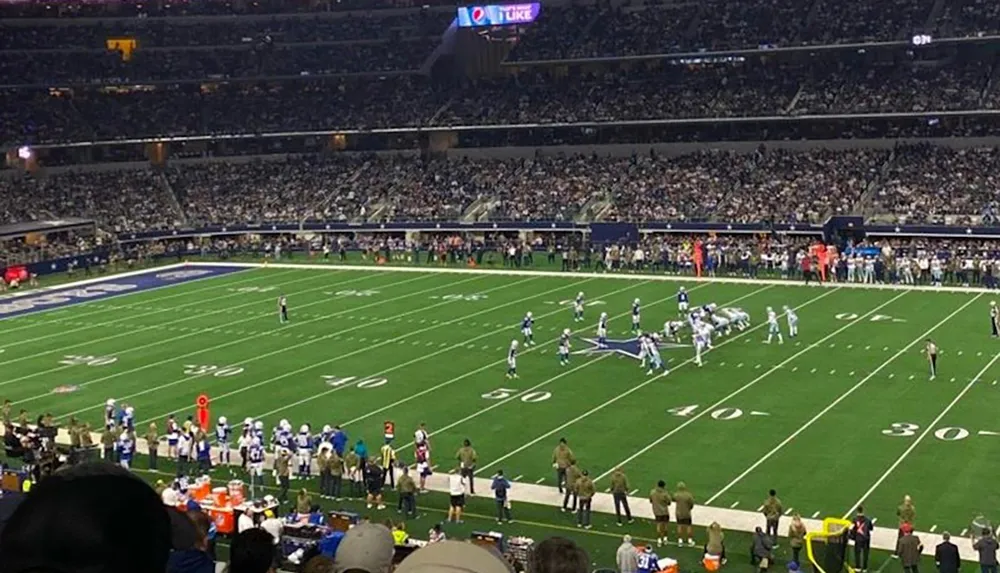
497,15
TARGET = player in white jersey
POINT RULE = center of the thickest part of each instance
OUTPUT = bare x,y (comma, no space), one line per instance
699,346
738,317
682,301
672,329
643,350
512,360
304,449
635,316
256,464
526,323
223,435
655,361
772,327
602,331
721,322
578,308
793,321
706,330
282,309
564,345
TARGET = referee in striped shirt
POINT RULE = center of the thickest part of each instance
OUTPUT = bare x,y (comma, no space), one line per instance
932,351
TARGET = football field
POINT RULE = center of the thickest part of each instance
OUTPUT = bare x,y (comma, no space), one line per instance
840,415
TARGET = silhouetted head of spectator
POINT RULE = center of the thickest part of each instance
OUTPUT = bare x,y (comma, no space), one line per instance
559,555
94,518
252,552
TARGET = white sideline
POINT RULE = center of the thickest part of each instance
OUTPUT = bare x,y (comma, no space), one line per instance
232,342
732,519
562,274
162,341
803,427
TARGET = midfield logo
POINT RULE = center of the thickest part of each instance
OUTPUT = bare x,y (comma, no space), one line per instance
629,347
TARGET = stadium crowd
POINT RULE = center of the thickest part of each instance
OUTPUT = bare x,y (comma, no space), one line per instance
910,183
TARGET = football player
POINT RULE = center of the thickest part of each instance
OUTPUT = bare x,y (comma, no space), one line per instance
602,331
682,301
512,360
282,309
526,323
793,321
223,435
772,327
564,345
578,307
635,316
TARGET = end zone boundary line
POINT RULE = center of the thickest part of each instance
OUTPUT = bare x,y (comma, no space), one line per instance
561,274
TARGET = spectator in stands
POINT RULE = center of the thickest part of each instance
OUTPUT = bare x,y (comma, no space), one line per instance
455,557
366,548
559,555
193,555
626,555
82,507
319,564
252,551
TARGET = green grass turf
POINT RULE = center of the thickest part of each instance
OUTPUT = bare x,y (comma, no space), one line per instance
823,400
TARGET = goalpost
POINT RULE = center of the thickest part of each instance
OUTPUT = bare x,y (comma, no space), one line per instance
827,549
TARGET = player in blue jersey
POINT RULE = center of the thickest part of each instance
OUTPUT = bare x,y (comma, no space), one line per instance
526,323
602,331
223,437
578,307
512,360
682,301
128,419
635,316
282,309
647,561
304,448
564,346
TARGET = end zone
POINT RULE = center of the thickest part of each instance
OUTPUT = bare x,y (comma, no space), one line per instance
79,292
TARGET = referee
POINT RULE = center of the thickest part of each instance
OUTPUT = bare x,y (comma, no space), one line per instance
932,351
993,319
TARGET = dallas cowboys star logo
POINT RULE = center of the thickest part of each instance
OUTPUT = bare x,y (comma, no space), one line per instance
629,347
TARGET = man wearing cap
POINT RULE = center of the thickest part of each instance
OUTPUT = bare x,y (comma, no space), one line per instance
909,548
366,547
946,555
626,556
585,491
454,557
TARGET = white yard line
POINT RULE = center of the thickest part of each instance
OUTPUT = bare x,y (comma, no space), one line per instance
115,278
637,276
930,428
489,366
131,332
242,341
760,461
641,385
425,357
188,333
753,382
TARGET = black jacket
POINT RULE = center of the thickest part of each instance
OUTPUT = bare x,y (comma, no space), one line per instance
946,557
